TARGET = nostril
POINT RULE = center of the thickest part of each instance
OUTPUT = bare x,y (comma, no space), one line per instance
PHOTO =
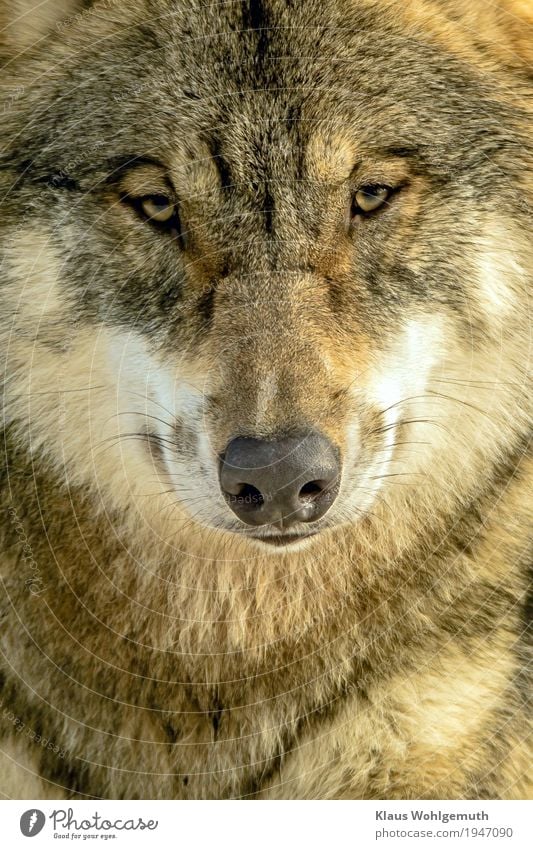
245,493
310,491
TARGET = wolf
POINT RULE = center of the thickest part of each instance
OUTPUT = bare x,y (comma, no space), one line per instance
266,407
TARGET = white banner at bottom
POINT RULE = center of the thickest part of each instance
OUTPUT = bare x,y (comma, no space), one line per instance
267,825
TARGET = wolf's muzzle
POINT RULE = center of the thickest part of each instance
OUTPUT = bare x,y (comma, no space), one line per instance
294,479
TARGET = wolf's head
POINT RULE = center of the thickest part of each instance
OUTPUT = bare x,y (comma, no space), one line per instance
265,264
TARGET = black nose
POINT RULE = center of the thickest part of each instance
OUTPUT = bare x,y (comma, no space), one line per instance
295,479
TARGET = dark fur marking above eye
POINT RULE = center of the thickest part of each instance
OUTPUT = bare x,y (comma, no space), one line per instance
118,165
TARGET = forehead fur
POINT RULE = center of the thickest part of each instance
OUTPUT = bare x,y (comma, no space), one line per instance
330,155
183,76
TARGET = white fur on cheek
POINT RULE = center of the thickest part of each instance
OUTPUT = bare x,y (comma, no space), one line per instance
406,369
396,382
160,398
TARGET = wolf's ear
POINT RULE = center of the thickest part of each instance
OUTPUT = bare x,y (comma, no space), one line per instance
24,22
504,28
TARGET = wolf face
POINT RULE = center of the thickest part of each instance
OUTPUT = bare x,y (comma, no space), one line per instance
265,330
265,272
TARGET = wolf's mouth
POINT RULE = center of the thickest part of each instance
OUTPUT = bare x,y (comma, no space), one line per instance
280,540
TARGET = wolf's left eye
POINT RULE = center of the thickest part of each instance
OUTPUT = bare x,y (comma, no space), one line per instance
370,198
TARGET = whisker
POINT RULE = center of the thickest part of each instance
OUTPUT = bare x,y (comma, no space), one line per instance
145,415
67,391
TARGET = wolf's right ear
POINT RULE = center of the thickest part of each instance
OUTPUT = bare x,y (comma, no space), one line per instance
23,23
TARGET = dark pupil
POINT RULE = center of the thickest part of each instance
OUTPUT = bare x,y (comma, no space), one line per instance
160,201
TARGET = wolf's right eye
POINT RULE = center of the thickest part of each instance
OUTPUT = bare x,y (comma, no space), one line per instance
158,208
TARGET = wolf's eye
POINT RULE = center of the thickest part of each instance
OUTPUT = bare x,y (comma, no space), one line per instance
161,212
158,208
369,198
